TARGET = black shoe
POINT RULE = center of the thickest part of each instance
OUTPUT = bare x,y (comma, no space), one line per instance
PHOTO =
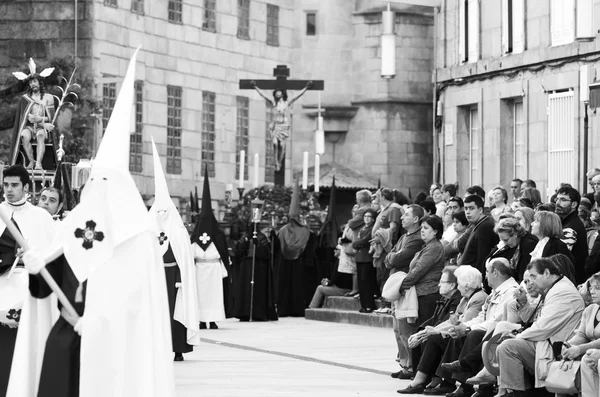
213,326
418,389
440,390
178,357
463,391
403,374
454,366
202,325
365,311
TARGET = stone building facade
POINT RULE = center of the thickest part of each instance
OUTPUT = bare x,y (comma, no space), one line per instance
510,75
195,52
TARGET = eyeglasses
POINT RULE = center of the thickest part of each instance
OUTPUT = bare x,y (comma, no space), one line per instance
563,200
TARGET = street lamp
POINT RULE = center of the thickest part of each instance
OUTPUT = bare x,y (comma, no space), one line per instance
388,44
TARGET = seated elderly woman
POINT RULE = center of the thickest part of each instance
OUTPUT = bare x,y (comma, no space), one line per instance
469,283
516,244
586,339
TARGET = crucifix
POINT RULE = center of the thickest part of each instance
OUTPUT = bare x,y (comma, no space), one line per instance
280,126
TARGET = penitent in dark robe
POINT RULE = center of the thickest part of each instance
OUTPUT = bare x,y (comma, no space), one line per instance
61,364
173,276
264,298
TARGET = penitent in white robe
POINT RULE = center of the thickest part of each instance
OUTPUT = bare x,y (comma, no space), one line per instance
210,272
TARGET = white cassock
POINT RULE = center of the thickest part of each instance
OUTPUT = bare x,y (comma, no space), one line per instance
39,315
210,272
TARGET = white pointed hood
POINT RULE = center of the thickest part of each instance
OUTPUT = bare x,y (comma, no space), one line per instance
170,230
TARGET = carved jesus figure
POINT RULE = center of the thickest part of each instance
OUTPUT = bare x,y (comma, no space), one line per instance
279,128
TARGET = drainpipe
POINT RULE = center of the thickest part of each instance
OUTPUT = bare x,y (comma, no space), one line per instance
76,19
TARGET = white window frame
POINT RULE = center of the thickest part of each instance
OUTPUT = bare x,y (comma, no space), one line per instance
513,26
562,22
475,147
585,20
562,154
473,33
519,139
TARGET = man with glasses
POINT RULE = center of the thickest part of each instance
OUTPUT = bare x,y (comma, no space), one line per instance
574,234
515,188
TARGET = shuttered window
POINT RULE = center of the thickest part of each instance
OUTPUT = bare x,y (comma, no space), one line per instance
475,142
585,19
562,158
513,26
473,33
562,21
520,140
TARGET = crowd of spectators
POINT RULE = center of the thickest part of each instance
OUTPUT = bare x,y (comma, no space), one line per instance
485,291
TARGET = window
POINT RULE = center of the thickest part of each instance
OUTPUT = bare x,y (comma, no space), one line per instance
111,3
311,24
475,155
210,16
173,130
562,158
272,25
135,139
109,97
468,18
269,153
562,21
513,26
137,6
585,19
520,141
243,19
175,7
208,132
241,137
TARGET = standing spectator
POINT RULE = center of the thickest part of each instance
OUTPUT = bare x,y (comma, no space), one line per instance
364,263
515,188
363,200
455,204
530,350
590,177
533,195
482,237
574,233
388,221
440,204
499,200
529,183
425,270
449,191
456,247
399,259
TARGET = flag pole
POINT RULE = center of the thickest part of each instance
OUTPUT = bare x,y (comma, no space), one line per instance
254,242
44,272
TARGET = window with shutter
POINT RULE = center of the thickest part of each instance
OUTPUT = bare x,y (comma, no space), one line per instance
475,157
473,30
585,19
520,140
507,26
562,158
462,34
518,26
562,21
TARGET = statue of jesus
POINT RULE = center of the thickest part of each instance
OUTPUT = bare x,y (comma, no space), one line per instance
34,116
279,128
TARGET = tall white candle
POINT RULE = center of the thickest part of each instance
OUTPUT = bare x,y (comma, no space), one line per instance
242,159
317,172
305,171
256,170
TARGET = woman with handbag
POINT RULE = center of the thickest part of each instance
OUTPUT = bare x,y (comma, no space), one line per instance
587,338
366,273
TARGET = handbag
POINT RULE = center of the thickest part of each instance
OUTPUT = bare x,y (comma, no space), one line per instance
564,377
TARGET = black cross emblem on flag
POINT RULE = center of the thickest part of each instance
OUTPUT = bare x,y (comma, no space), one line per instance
89,235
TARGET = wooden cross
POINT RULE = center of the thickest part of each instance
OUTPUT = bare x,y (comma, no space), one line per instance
281,74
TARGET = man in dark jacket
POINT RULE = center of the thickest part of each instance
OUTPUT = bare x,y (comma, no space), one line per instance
574,234
482,238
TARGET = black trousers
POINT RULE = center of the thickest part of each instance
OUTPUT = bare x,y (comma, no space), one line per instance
427,305
366,275
471,344
433,351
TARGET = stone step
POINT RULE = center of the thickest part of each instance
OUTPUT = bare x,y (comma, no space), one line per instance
350,317
345,303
